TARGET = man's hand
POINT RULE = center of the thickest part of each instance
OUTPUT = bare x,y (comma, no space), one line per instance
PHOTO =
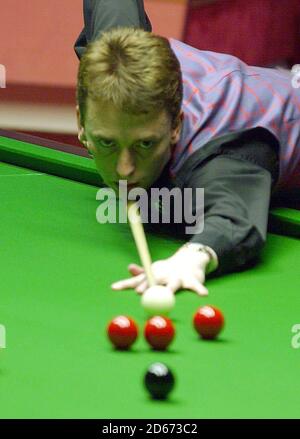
183,270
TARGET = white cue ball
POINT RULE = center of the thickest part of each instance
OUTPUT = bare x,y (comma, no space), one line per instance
158,300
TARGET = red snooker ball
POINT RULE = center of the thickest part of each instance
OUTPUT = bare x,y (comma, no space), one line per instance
159,332
122,332
208,322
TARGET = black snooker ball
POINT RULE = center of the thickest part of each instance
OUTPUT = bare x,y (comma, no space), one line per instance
159,381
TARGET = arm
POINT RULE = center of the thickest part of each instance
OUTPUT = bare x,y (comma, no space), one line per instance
237,186
101,15
238,181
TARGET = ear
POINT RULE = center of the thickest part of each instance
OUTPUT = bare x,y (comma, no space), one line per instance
177,130
81,133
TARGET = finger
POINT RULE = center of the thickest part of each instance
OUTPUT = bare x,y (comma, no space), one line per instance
132,282
174,285
135,269
200,276
142,287
196,286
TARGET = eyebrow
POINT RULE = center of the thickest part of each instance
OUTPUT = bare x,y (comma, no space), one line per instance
101,136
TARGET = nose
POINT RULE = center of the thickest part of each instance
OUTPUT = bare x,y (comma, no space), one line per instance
125,164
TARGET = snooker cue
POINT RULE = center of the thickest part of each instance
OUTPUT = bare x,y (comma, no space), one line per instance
140,240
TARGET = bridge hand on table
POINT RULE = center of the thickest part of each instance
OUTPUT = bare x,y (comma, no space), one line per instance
183,270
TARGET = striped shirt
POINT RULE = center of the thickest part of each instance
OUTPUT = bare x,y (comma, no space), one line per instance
224,95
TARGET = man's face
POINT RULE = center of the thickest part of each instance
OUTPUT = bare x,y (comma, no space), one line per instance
129,147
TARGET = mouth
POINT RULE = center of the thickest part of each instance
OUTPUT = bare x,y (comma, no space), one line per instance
128,185
132,186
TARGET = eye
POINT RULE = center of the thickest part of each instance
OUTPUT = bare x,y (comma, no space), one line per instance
146,144
106,143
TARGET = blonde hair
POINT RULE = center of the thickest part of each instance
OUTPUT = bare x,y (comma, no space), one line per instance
135,70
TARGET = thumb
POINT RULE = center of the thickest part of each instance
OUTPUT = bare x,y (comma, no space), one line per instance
135,269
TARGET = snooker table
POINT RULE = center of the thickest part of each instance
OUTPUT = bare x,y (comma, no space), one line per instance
57,264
